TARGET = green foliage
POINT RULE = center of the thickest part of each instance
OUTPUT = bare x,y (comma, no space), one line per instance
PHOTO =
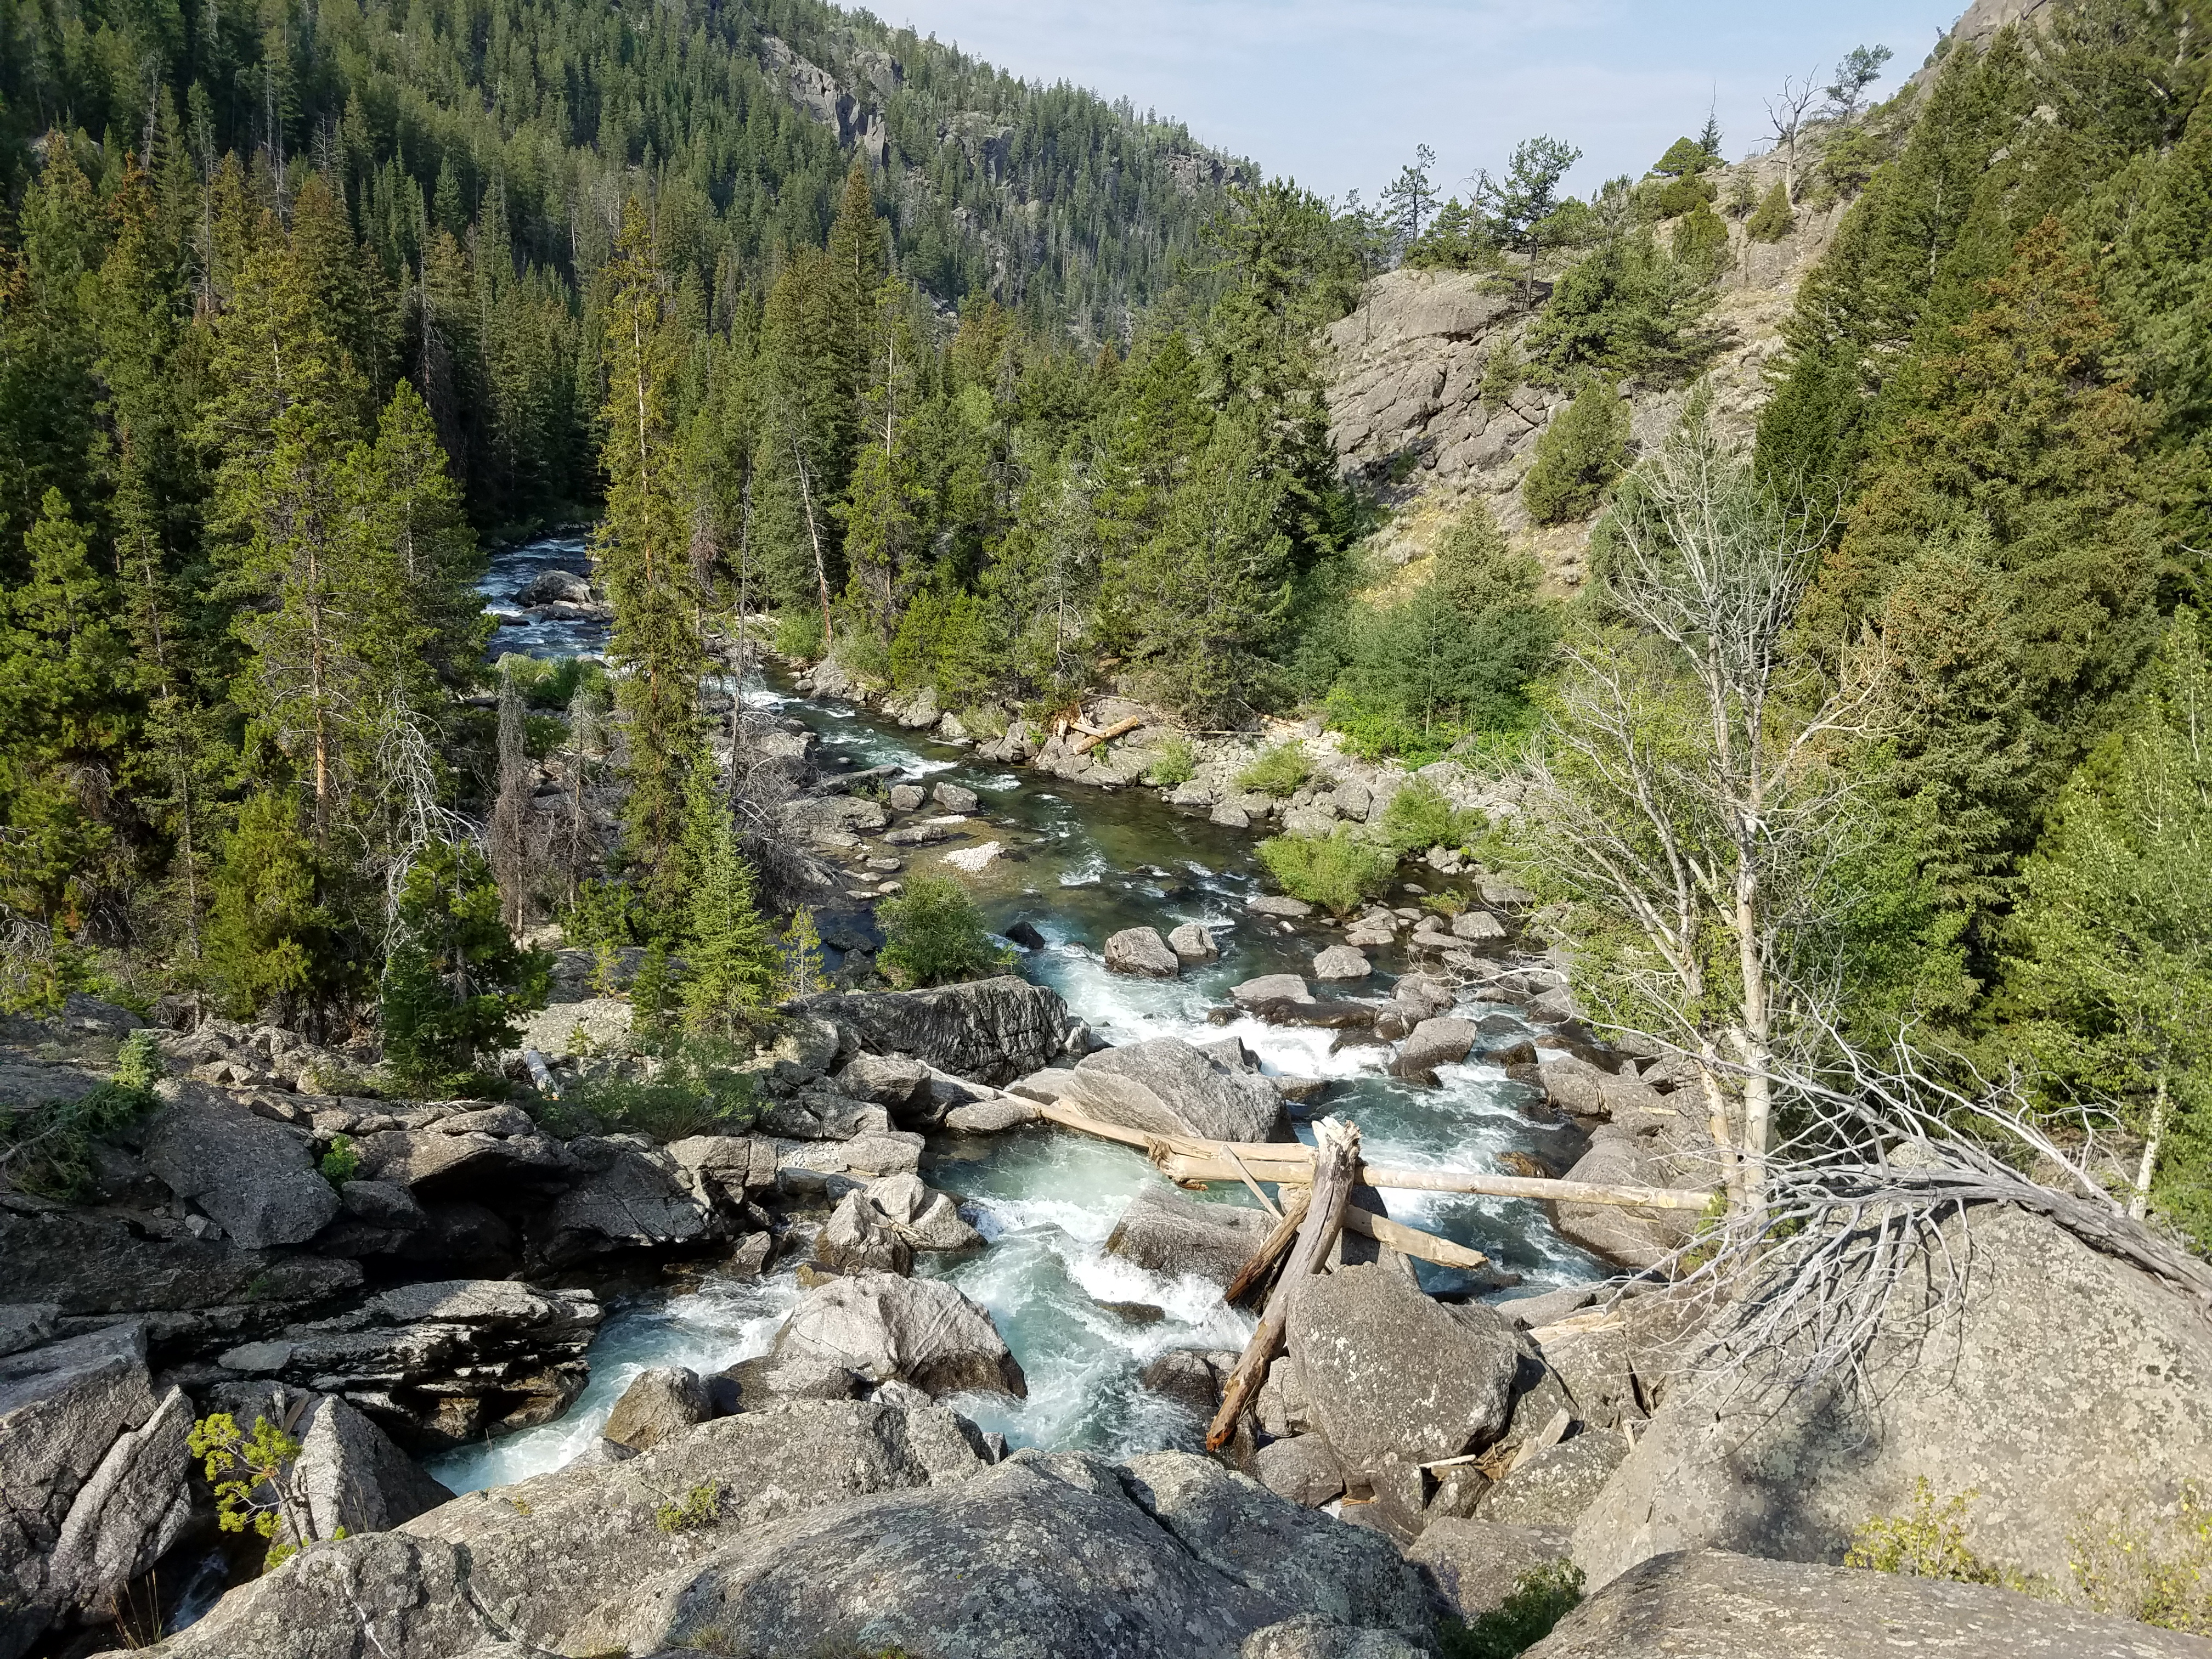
933,934
553,683
1773,217
1700,247
2155,1569
1626,308
275,938
1577,455
138,1062
731,956
800,949
1173,762
1930,1541
697,1087
455,980
1538,1601
1336,870
701,1506
1419,817
655,993
1277,770
46,1147
252,1476
342,1162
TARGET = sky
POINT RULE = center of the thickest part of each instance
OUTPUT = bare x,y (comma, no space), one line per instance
1336,95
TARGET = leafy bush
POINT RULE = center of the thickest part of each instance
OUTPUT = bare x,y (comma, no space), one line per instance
1577,455
798,633
695,1089
1538,1601
2158,1572
1173,762
1419,817
1276,771
1772,222
701,1506
1336,870
1929,1542
934,935
342,1162
552,685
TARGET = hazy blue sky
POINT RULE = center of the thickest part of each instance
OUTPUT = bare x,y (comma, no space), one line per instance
1336,95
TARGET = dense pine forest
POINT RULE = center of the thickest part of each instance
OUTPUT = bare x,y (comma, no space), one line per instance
1005,392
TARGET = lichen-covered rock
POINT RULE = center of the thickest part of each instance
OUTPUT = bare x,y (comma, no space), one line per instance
1719,1606
1390,1374
1437,1041
1472,1567
1340,962
1042,1556
885,1079
628,1195
857,1239
2057,1369
1553,1487
1301,1469
350,1474
256,1179
921,1331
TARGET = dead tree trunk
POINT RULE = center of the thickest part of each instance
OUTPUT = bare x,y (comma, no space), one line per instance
1336,1165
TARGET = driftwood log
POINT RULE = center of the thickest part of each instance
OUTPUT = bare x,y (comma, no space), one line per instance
1091,740
1336,1165
1271,1248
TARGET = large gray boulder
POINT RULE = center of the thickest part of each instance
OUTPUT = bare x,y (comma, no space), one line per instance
436,1163
1437,1041
1141,951
1554,1487
662,1400
1165,1085
92,1471
255,1178
628,1195
1635,1238
525,1563
1390,1376
996,1030
1043,1556
440,1364
1472,1567
1719,1606
1174,1234
2068,1391
350,1474
858,1239
921,1331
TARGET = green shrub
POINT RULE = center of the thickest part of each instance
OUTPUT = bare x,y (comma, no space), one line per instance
1928,1542
1772,222
2156,1570
695,1089
139,1063
798,633
1577,455
933,935
701,1506
1277,771
343,1162
1537,1602
46,1147
552,685
450,933
1419,816
1700,246
1336,870
1173,762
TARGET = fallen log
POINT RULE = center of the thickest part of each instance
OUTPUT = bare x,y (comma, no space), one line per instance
1336,1159
1411,1241
1084,745
1271,1247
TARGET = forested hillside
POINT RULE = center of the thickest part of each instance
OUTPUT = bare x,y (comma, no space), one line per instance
1004,393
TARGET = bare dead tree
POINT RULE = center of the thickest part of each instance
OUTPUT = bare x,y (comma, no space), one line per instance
1681,797
1785,113
511,806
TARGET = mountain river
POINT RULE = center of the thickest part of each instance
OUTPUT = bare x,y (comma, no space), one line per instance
1088,862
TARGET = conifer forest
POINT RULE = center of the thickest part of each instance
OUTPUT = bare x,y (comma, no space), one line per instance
840,338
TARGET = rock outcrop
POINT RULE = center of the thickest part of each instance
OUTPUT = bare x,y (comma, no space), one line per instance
921,1331
2055,1369
996,1030
1719,1606
1165,1085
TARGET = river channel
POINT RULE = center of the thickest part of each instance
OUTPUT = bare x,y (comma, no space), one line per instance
1087,863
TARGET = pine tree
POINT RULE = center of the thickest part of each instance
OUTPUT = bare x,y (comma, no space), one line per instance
801,950
733,965
274,945
454,982
1577,455
807,386
641,551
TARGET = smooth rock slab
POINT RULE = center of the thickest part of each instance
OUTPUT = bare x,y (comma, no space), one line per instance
256,1178
1341,962
1192,943
1142,952
1718,1606
921,1331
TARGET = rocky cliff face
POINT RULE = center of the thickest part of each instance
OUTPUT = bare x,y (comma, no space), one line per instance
1409,420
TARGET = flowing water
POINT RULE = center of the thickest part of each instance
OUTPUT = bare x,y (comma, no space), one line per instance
1080,865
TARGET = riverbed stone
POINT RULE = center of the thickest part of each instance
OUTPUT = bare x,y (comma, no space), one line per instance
973,860
663,1400
1435,1042
857,1239
1477,926
1270,987
1279,904
994,1030
1390,1374
1184,1375
350,1474
1301,1469
1341,962
921,1331
1196,1095
886,1079
991,1118
907,797
1174,1234
1192,943
954,799
1229,815
1142,952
